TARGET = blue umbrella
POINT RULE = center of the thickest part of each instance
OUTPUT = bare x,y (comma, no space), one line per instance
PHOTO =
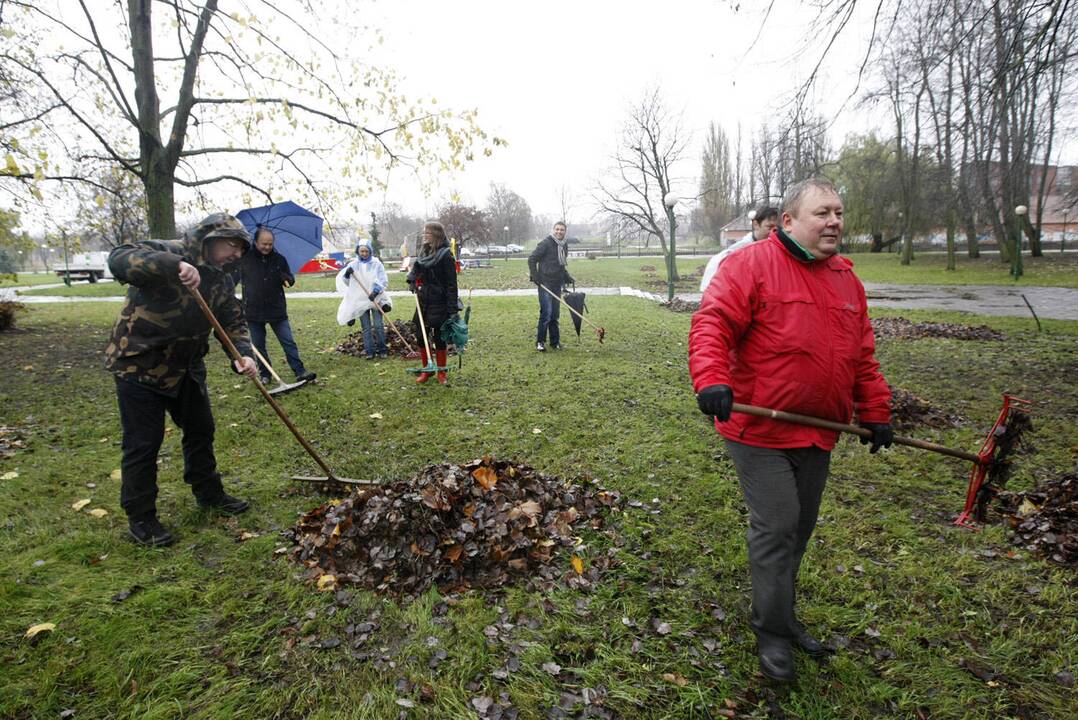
297,231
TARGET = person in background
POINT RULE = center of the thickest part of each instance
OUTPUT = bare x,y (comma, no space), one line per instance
265,275
548,268
368,271
784,325
764,219
433,279
156,353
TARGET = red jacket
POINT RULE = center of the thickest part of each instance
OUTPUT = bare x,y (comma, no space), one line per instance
789,334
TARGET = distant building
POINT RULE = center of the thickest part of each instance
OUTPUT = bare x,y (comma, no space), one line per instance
734,230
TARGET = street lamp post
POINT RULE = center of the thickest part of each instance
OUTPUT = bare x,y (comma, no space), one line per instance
1016,258
670,200
1063,240
506,231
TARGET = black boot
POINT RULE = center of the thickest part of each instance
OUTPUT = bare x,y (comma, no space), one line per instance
776,660
149,532
807,642
225,504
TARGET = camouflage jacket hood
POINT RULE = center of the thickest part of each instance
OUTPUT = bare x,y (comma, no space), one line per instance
161,334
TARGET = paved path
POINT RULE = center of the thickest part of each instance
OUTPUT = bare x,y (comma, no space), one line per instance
1049,302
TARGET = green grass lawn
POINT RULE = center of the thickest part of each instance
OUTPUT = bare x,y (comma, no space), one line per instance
204,633
29,278
927,268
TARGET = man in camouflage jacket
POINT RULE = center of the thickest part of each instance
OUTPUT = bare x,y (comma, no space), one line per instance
156,352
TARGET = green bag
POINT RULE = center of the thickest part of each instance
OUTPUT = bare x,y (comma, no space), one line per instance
454,331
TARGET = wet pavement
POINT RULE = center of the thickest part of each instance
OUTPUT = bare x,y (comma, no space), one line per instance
1002,300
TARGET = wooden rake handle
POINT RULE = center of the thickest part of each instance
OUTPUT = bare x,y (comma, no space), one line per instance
258,383
601,332
853,430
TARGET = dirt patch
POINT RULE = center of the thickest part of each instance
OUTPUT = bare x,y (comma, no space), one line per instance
353,344
481,524
909,411
681,306
647,268
1045,519
903,329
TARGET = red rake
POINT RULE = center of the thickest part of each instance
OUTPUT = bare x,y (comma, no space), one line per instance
991,463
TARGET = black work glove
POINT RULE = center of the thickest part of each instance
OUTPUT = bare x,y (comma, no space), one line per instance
716,400
534,279
372,296
348,273
882,436
411,285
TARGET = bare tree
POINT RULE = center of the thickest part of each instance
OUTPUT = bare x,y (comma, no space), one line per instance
506,209
652,146
255,81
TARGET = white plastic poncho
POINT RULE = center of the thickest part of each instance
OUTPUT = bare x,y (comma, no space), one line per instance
354,300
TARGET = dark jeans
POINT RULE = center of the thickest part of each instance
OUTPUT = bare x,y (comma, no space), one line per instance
549,310
283,331
782,489
142,415
374,338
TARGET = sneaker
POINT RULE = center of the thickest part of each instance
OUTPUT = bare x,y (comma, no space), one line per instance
555,347
351,323
149,532
383,356
540,347
306,376
225,504
370,357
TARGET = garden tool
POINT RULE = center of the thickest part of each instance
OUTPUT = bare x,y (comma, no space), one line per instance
429,367
991,464
282,386
411,352
232,351
599,331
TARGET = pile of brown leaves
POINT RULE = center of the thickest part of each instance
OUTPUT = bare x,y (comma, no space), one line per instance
8,309
353,344
681,306
909,411
1045,519
903,329
481,524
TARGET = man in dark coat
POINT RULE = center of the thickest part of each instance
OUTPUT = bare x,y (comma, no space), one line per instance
265,274
156,353
547,267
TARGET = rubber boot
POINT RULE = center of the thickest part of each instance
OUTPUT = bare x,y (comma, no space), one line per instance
423,376
440,354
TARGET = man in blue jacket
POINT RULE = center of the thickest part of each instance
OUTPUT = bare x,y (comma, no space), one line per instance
265,275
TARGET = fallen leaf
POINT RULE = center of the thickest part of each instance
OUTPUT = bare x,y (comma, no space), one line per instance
375,416
80,504
536,431
247,535
676,678
551,668
40,628
578,564
124,594
10,475
327,582
485,476
115,474
99,513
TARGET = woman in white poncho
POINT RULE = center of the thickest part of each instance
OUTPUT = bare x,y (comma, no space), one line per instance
363,284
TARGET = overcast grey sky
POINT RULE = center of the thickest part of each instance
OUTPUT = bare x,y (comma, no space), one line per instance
556,78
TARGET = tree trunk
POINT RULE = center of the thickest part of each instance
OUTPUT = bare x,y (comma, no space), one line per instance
160,203
952,222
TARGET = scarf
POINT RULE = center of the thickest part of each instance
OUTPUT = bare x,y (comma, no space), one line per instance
563,249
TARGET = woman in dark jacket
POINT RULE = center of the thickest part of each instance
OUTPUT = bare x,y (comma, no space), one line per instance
434,281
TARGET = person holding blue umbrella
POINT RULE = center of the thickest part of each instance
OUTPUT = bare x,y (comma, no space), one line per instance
265,275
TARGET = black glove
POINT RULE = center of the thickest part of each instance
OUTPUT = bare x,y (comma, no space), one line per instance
569,280
716,400
372,296
882,436
348,273
533,279
411,285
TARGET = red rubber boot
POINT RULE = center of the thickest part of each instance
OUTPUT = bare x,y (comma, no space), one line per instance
423,376
440,355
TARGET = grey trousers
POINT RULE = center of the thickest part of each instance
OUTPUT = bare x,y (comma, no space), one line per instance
782,488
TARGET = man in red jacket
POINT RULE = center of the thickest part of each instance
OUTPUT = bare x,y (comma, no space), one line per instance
784,325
